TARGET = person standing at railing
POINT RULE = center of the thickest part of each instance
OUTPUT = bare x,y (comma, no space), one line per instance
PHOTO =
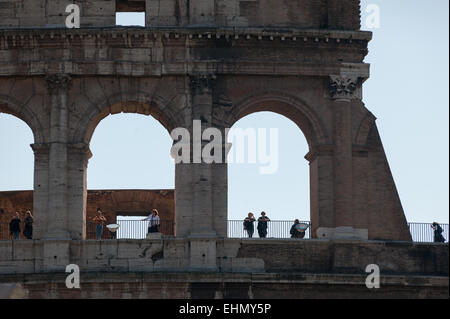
153,225
28,230
14,226
297,232
249,226
262,225
100,221
438,238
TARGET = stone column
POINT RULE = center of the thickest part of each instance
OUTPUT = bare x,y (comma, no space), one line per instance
78,157
201,185
57,222
321,179
41,187
343,91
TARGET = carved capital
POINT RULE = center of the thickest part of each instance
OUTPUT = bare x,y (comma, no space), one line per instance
39,148
343,87
58,81
202,83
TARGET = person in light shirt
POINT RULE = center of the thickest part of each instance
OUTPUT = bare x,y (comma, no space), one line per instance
153,225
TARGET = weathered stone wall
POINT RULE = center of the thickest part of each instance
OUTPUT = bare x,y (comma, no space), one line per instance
214,61
229,286
230,256
52,13
314,14
242,268
115,71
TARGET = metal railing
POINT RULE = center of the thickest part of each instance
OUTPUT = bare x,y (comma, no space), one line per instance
129,229
423,233
276,229
137,229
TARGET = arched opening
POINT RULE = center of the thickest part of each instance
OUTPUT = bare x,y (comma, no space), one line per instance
16,170
271,176
130,173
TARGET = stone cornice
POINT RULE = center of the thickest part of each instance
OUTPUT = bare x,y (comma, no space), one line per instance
158,69
15,37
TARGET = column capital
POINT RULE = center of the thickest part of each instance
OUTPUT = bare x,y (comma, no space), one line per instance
319,150
202,83
81,148
58,81
343,87
40,147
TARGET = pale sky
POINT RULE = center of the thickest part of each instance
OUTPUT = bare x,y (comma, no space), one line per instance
407,92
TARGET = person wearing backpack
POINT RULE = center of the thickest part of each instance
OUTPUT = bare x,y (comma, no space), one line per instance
438,238
248,225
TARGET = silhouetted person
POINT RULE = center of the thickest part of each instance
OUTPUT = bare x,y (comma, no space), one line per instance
28,229
295,232
14,226
153,226
438,238
262,225
249,226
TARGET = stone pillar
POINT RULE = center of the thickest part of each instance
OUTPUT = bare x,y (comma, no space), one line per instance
342,90
78,157
57,222
41,187
201,187
321,187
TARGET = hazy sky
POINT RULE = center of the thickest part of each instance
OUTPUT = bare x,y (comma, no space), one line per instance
407,92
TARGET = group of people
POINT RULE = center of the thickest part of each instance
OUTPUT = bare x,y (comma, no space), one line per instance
15,226
100,221
262,226
154,223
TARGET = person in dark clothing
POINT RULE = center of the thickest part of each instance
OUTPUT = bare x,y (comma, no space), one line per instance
28,230
248,225
438,238
296,233
262,225
14,226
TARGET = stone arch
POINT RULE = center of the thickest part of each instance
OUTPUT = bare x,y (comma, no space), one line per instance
308,121
289,106
123,102
9,106
364,129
